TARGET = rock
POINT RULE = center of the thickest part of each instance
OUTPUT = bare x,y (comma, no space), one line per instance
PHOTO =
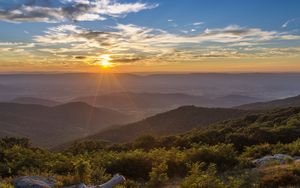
33,182
117,179
41,182
280,158
77,186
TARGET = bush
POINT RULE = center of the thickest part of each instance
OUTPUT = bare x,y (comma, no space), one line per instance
83,170
158,175
257,151
99,176
145,142
134,165
199,178
223,155
278,179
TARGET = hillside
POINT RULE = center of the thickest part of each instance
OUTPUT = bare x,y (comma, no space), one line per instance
172,122
222,155
48,126
280,103
275,126
33,100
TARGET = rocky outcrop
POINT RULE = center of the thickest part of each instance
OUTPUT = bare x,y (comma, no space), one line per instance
33,182
41,182
279,158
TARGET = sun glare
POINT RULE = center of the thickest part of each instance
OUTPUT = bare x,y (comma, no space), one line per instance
104,61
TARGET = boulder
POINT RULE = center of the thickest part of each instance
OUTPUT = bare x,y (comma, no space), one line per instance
41,182
280,158
77,186
33,182
117,179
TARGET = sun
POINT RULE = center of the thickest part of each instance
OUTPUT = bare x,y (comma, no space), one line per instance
104,61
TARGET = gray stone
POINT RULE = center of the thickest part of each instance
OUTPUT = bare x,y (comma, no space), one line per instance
41,182
77,186
117,179
33,182
280,158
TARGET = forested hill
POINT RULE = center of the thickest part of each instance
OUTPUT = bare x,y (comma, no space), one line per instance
220,155
48,126
172,122
280,103
281,125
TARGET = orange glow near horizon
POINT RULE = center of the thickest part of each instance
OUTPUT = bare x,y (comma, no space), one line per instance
106,63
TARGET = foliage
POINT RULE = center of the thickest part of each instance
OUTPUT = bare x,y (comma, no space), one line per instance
219,156
223,155
158,175
199,178
83,170
280,175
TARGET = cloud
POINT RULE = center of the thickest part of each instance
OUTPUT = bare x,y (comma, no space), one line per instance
287,23
128,43
80,57
198,23
74,10
133,36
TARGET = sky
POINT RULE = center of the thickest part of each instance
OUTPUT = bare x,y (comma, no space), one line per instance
149,35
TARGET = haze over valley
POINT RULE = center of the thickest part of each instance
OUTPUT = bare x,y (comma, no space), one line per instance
145,95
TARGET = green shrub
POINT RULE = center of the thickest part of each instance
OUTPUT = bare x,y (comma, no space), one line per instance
158,175
134,165
223,155
199,178
83,170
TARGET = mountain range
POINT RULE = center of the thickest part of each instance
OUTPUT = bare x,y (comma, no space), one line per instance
48,126
64,87
34,100
184,119
279,103
176,121
147,104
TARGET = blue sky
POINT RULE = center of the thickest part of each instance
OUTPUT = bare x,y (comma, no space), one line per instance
267,14
270,14
234,25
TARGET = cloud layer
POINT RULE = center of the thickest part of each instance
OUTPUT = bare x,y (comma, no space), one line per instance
129,43
74,10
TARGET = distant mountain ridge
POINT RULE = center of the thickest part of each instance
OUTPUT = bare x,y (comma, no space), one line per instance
153,103
66,86
34,100
279,103
175,121
48,126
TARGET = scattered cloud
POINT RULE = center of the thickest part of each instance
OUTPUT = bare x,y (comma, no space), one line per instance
128,43
74,10
198,23
294,21
80,57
